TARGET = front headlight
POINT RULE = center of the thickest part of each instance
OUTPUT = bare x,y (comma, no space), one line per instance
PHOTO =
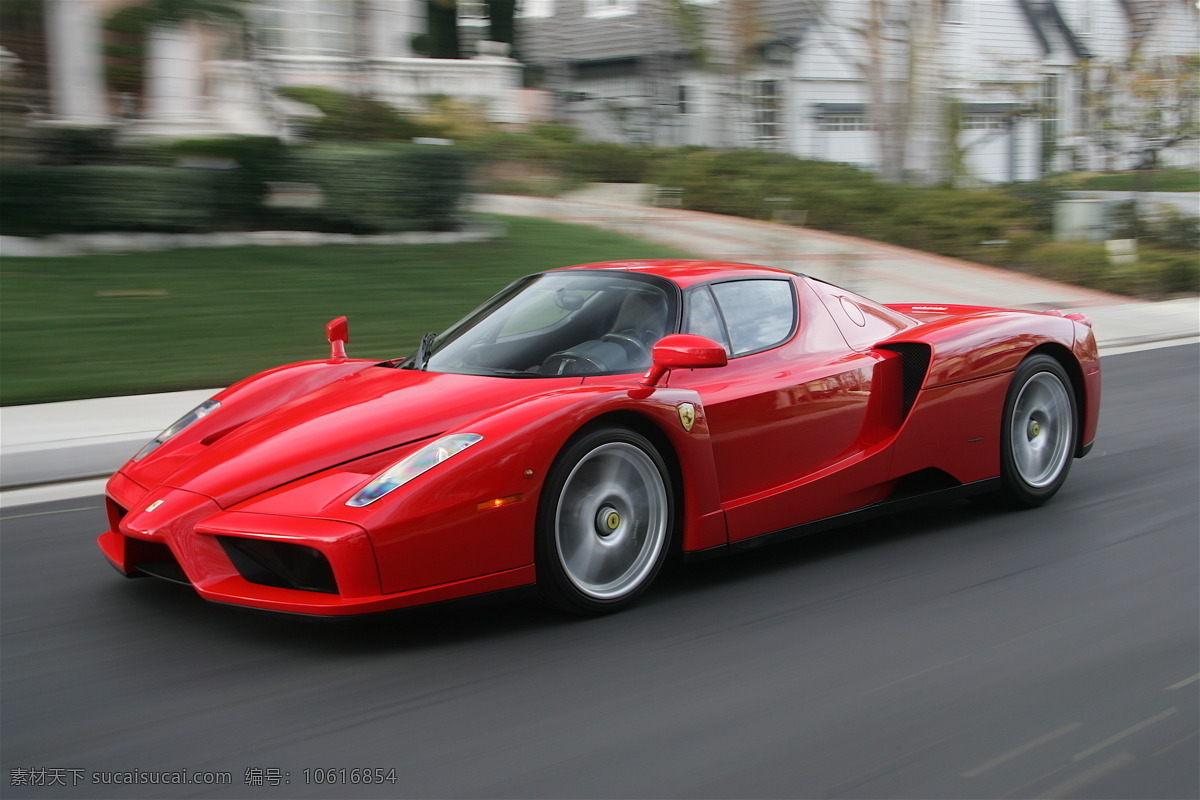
413,465
204,409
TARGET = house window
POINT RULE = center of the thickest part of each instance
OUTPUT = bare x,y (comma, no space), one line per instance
1049,120
322,27
681,99
844,122
766,102
954,11
531,9
984,122
1086,18
473,14
610,8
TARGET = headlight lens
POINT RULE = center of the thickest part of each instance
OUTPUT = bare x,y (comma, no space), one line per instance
413,465
204,409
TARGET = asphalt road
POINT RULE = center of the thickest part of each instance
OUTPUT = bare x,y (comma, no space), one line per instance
954,652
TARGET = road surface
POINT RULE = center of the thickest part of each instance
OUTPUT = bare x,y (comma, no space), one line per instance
951,652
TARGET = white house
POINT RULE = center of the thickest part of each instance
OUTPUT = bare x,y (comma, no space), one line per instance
879,83
199,82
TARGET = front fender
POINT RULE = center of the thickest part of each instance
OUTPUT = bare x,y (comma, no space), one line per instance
475,514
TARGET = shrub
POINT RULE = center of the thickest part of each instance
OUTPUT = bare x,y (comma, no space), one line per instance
1171,228
352,118
44,200
1170,273
398,188
844,199
1041,198
1081,263
1157,273
366,190
72,146
608,162
241,182
1149,180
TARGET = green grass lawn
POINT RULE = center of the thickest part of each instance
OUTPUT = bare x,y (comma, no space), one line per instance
1156,180
94,326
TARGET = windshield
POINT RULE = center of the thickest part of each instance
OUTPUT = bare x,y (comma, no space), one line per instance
560,323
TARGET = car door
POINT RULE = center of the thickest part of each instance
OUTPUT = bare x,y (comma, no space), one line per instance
786,415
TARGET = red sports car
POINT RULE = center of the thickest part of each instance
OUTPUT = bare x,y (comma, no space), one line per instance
587,422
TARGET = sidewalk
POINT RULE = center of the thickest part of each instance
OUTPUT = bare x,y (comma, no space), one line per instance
57,442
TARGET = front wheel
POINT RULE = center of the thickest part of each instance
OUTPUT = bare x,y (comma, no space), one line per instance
604,523
1039,432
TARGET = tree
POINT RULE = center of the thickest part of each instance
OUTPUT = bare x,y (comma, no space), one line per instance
898,65
1143,106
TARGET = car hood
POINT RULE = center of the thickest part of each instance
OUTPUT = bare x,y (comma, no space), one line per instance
363,413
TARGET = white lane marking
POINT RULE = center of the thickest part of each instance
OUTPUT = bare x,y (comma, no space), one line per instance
47,513
1177,742
1184,682
1071,786
913,675
1116,737
1022,750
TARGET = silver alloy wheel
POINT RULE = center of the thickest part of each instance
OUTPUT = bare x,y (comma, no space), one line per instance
610,525
1042,430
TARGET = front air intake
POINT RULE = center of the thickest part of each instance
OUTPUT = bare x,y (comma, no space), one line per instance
280,564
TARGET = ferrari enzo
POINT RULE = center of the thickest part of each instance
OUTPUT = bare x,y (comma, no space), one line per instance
588,422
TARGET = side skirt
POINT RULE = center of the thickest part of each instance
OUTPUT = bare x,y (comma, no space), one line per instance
882,508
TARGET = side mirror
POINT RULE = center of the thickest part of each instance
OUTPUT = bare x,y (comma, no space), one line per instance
338,333
683,351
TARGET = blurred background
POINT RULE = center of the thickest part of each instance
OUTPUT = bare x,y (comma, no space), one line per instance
1058,138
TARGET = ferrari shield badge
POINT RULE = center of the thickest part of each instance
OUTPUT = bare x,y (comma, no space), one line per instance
687,415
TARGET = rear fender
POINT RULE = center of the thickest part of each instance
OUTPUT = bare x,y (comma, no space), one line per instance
979,345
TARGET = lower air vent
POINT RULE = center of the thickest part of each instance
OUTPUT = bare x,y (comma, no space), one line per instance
154,559
116,513
280,564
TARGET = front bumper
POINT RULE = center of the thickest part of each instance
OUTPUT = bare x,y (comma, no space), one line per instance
291,564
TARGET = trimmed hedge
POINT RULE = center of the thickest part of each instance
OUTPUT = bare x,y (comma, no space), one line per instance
365,190
45,200
399,188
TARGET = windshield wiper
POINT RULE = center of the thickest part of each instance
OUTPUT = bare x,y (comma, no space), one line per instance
420,359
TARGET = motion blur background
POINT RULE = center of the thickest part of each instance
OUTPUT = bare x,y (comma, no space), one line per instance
150,151
1055,138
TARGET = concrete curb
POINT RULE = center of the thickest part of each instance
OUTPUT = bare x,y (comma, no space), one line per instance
78,244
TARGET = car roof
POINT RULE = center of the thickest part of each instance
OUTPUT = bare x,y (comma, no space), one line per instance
687,272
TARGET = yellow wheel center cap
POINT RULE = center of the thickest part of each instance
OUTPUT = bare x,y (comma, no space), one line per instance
613,520
1034,429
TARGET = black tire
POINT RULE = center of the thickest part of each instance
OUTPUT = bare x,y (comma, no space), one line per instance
605,522
1039,433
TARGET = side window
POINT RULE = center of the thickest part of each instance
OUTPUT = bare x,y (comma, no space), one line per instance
758,313
703,318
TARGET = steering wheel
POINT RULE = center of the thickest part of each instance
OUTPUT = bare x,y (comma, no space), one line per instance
634,347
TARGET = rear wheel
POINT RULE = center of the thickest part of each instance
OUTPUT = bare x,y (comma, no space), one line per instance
605,522
1039,432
